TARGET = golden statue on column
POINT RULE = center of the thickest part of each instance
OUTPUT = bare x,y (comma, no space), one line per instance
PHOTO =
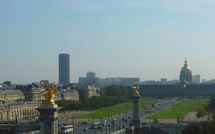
136,91
50,92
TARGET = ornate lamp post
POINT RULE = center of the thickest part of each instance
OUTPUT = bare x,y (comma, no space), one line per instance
136,109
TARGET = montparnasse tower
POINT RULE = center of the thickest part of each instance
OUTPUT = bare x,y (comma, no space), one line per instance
186,74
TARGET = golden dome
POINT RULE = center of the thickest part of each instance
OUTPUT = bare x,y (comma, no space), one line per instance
186,67
186,73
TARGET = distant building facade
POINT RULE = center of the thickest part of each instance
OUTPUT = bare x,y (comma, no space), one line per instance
92,91
11,96
31,92
10,112
176,90
70,95
18,102
172,82
150,82
44,82
64,69
90,79
197,79
211,81
163,81
119,81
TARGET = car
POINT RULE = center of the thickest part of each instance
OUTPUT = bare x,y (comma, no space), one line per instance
85,122
124,119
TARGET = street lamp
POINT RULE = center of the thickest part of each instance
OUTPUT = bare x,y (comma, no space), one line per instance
92,115
91,109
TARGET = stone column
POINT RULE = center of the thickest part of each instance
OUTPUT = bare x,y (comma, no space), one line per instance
136,111
49,119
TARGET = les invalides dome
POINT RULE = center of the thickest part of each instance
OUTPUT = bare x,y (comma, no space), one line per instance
186,74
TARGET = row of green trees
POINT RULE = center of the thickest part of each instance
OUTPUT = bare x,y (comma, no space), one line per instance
110,95
205,127
208,110
211,108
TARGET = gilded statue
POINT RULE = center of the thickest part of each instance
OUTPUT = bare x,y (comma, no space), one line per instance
50,92
136,91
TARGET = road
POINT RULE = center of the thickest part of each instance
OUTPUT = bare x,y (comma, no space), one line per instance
120,121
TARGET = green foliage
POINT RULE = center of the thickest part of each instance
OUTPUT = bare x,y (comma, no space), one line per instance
69,105
201,112
155,120
110,96
200,128
107,111
83,95
121,92
8,83
114,110
181,109
211,107
193,129
94,102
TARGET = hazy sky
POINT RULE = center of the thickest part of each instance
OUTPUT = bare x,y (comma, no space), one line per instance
126,38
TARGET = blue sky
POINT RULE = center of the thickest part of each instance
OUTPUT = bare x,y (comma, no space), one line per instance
139,38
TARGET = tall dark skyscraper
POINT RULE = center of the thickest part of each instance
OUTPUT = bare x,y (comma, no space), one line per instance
64,69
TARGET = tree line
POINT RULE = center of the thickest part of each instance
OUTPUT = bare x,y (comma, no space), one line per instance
204,127
110,95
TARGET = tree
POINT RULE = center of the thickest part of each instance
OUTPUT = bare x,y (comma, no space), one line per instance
83,94
201,112
193,129
121,92
206,127
110,96
211,107
8,83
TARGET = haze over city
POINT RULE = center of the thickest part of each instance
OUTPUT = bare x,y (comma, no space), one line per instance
146,39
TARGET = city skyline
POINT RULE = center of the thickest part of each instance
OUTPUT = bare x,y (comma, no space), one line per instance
142,39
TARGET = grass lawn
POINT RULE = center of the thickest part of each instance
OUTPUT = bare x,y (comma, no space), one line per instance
114,110
181,109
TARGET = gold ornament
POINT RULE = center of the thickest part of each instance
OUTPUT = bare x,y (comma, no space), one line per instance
136,91
50,92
